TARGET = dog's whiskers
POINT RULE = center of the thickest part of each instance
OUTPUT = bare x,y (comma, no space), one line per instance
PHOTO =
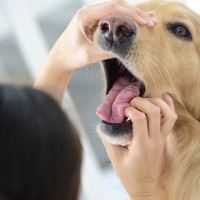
89,76
157,64
156,88
160,72
167,74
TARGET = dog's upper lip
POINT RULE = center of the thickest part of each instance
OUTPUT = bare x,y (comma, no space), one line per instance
122,87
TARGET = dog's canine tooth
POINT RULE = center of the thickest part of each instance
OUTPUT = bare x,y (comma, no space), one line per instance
128,119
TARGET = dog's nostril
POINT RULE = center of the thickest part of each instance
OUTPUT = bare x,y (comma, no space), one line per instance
104,28
116,28
124,31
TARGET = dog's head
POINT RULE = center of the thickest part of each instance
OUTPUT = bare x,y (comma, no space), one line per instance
149,62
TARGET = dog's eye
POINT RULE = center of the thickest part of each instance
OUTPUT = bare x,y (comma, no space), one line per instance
180,31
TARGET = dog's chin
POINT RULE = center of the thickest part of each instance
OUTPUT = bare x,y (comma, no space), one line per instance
117,134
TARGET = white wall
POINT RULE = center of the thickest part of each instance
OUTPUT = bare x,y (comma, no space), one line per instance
194,5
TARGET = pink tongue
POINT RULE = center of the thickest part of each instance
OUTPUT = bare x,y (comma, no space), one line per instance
114,103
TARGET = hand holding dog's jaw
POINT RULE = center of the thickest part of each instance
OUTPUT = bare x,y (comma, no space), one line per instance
140,163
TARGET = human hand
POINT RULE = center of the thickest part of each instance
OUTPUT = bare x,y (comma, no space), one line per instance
140,164
75,47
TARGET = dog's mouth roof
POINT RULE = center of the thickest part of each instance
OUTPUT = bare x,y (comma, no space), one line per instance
121,88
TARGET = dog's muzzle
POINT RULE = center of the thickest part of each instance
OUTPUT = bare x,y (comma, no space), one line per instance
117,33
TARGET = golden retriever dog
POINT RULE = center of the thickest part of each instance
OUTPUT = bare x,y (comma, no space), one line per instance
148,63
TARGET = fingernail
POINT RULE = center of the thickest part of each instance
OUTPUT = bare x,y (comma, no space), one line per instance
150,14
165,95
150,22
153,21
142,20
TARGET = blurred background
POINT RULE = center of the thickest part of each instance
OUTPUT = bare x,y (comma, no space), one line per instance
28,30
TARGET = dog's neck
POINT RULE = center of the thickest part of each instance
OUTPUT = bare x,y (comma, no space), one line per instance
185,135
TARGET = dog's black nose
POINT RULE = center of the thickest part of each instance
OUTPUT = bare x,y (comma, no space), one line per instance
117,28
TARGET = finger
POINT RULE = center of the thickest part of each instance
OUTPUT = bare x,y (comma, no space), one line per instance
168,99
90,15
152,113
151,14
168,115
137,15
150,18
150,21
139,121
140,16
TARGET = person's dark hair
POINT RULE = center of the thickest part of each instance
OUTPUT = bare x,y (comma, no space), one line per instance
40,151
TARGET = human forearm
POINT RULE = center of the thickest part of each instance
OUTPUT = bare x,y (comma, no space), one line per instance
53,78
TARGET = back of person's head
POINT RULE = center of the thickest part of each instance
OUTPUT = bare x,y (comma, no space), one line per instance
40,152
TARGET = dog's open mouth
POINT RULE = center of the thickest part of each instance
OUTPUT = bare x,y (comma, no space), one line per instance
122,87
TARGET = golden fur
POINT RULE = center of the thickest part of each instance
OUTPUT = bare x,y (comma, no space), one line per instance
167,63
170,64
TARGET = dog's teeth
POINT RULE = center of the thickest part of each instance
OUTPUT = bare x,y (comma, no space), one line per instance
128,119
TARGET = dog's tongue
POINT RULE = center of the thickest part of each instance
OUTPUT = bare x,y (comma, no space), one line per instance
114,103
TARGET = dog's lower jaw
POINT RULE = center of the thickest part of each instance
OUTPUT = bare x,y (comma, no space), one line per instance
123,139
